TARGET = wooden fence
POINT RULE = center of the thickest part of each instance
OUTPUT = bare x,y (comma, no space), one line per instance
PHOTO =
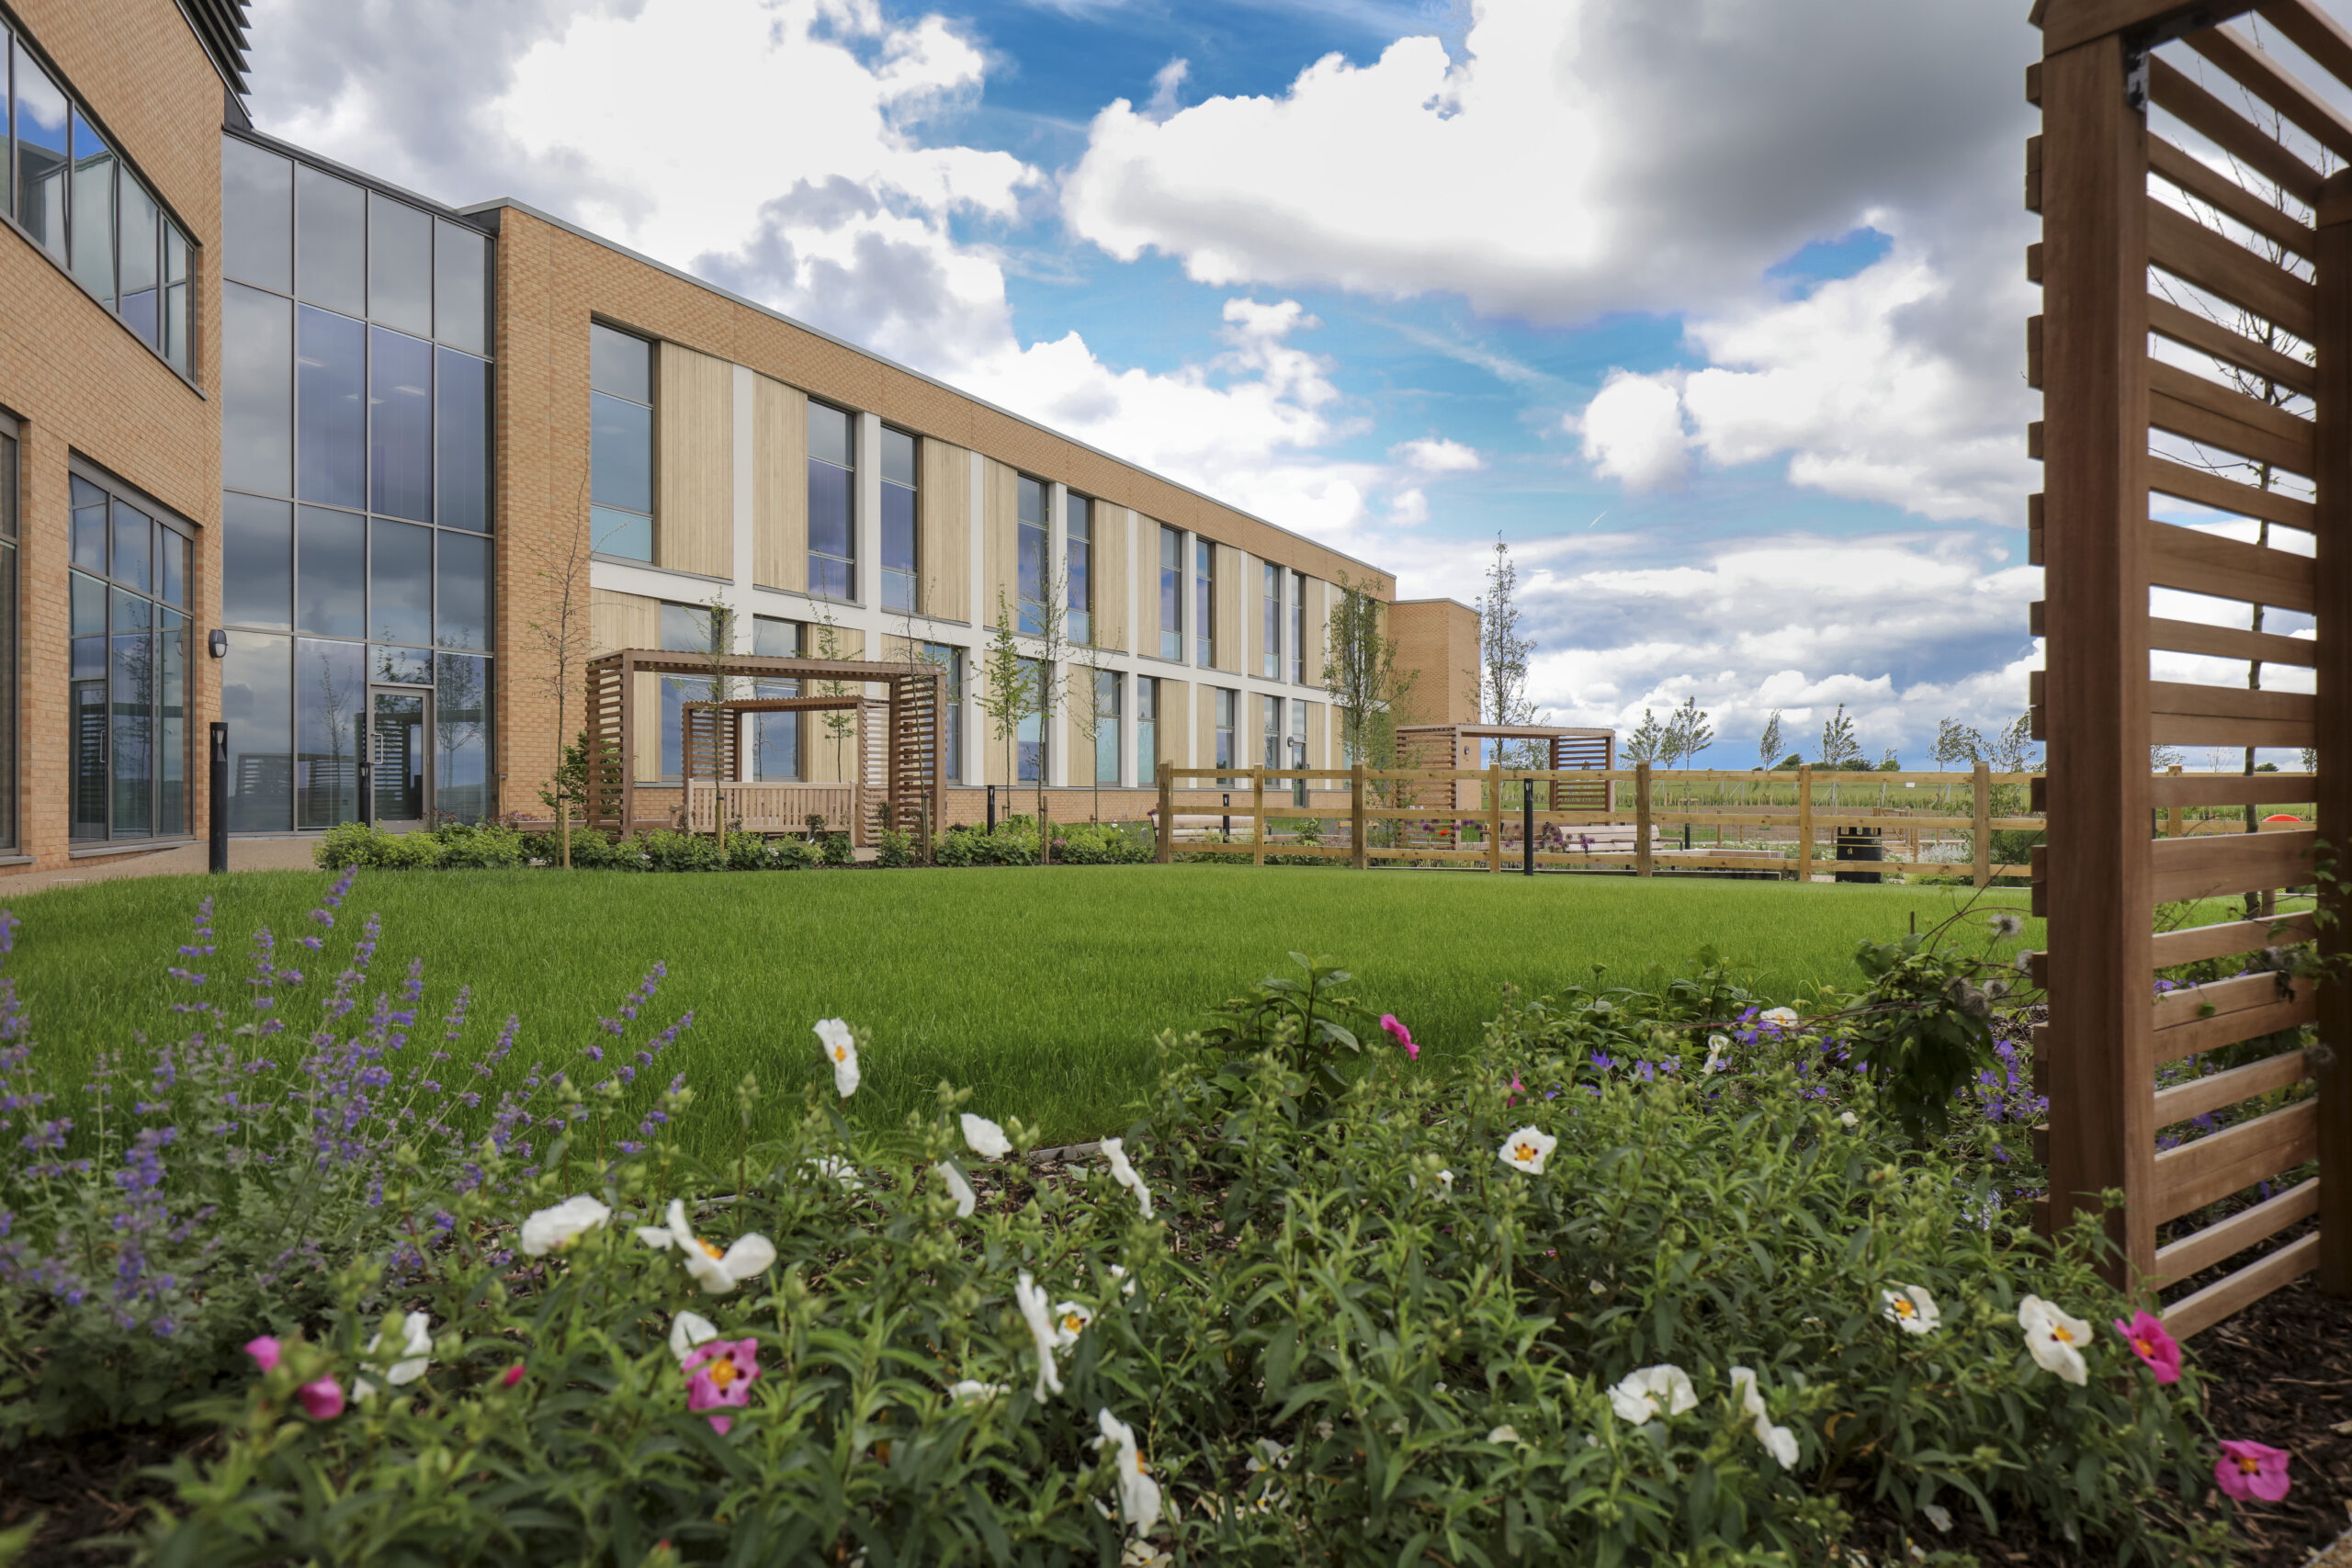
1425,816
2195,236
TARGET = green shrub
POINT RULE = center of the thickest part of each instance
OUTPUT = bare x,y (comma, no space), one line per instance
668,850
836,850
373,848
894,848
490,845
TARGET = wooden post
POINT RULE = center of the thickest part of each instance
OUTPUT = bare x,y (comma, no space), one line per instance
1359,854
1804,821
2172,816
1258,816
2333,734
1983,782
1166,854
2100,887
1495,814
1641,819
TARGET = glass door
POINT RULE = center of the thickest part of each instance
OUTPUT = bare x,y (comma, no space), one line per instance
400,785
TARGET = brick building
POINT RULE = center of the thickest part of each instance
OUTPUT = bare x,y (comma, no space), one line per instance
358,473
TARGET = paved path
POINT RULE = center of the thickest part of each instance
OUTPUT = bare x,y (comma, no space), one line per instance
181,860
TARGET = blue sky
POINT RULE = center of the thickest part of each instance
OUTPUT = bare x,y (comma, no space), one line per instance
1726,345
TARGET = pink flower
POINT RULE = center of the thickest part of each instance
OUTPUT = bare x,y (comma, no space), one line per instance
513,1375
2149,1341
2252,1469
1404,1036
263,1351
719,1373
322,1399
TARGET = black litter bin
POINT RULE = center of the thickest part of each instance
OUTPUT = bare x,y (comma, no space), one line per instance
1861,843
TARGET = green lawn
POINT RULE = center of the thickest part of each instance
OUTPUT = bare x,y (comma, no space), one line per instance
1040,988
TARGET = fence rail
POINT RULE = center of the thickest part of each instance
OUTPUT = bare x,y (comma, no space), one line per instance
1497,815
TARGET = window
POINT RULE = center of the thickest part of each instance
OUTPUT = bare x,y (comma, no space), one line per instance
775,737
951,728
1031,740
1171,593
1270,659
620,444
1225,701
1034,557
1106,728
1205,604
901,591
1147,728
1298,628
832,481
75,198
1298,749
1274,717
127,699
357,457
1078,527
8,631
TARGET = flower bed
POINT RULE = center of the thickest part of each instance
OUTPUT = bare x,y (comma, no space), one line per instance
1657,1275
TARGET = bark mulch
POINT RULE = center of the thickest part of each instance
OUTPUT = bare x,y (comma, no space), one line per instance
86,1487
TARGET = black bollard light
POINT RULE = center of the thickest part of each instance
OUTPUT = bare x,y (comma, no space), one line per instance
991,808
219,825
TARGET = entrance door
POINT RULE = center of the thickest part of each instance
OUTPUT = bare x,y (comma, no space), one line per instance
401,783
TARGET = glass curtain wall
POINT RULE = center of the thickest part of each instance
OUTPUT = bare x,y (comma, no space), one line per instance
127,698
1147,728
1106,727
1298,748
1274,717
1225,701
1032,555
685,628
9,665
77,199
620,444
775,737
1029,742
1078,525
1205,604
1270,659
356,455
951,660
832,514
901,591
1298,628
1171,593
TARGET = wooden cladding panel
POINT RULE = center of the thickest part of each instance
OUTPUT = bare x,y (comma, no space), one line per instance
2208,489
2215,1091
2210,338
2193,1314
1172,730
2230,642
2196,562
2176,93
999,539
2228,864
2230,937
2219,266
2191,1175
1319,597
2187,714
1236,598
2217,190
1113,525
944,540
2245,1228
695,425
779,485
621,620
2206,411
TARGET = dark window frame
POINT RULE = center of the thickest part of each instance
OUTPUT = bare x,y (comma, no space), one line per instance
652,441
117,490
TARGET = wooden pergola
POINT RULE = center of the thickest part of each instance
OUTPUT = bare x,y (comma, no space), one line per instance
902,773
2195,347
1457,746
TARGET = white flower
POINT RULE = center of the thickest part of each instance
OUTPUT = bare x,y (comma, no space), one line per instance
1847,1119
717,1272
840,1051
968,1391
1912,1308
2055,1338
1032,1301
1597,1288
1716,1045
1445,1180
836,1168
550,1230
1141,1553
1780,1018
1070,1321
1527,1149
1636,1398
1270,1455
1116,1151
1138,1493
966,1198
1938,1515
2003,925
1119,1271
416,1338
2024,962
689,1330
1779,1441
988,1139
1503,1435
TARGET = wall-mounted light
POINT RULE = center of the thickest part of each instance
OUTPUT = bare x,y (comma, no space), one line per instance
218,642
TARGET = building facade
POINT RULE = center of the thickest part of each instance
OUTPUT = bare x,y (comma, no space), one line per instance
368,479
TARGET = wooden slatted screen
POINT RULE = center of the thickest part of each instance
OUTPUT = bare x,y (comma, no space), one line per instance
2195,358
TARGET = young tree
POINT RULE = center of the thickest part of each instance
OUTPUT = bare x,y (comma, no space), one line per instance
1089,713
1647,743
1359,672
839,723
2013,746
1048,623
1768,745
1957,743
1005,686
1688,731
563,641
1838,747
1503,651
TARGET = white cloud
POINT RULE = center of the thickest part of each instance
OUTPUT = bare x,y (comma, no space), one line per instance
1165,83
1408,507
1634,431
1438,454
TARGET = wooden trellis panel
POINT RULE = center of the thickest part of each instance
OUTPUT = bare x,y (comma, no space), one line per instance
2195,345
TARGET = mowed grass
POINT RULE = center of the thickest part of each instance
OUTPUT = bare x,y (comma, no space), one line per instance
1041,990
